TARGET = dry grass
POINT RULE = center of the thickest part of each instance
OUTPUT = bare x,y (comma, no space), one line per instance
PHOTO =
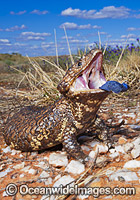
43,86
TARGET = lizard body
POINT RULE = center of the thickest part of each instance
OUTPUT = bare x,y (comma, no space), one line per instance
36,128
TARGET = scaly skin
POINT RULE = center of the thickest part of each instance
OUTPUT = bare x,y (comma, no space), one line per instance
36,128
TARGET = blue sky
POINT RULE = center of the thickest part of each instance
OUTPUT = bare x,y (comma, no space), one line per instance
27,27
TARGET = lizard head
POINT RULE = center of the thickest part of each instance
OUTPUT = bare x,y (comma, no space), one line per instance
85,76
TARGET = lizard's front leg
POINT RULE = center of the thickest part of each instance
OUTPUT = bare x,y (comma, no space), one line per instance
71,145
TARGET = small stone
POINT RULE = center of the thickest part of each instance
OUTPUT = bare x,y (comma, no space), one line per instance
32,171
128,147
21,175
41,164
44,175
114,155
85,148
83,197
4,173
92,154
136,142
26,169
75,167
14,152
93,143
101,148
5,194
58,159
127,175
122,140
100,160
19,166
48,181
120,149
110,171
57,177
64,180
135,152
132,164
7,149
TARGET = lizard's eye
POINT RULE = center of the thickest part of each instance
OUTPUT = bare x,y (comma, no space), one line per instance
80,63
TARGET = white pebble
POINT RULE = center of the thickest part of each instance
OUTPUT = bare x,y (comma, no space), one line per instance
126,174
114,155
58,159
75,167
101,148
135,152
32,171
128,147
48,181
7,149
64,180
19,166
132,164
92,154
44,174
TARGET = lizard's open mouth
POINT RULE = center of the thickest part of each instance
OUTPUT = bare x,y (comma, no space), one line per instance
92,77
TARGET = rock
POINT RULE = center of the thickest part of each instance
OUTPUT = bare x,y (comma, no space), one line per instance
14,152
127,175
58,159
85,148
44,175
26,169
120,149
75,167
4,173
48,181
122,140
114,155
101,148
100,160
5,194
32,171
136,142
93,143
82,197
132,164
128,147
19,166
21,175
41,164
57,177
7,149
92,154
64,180
110,171
135,152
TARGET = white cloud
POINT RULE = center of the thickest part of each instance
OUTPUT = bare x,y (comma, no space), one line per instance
34,38
78,41
18,13
106,12
15,28
73,26
133,29
4,40
35,34
129,36
38,12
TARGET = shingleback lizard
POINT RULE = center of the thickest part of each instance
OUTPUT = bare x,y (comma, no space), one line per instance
36,128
